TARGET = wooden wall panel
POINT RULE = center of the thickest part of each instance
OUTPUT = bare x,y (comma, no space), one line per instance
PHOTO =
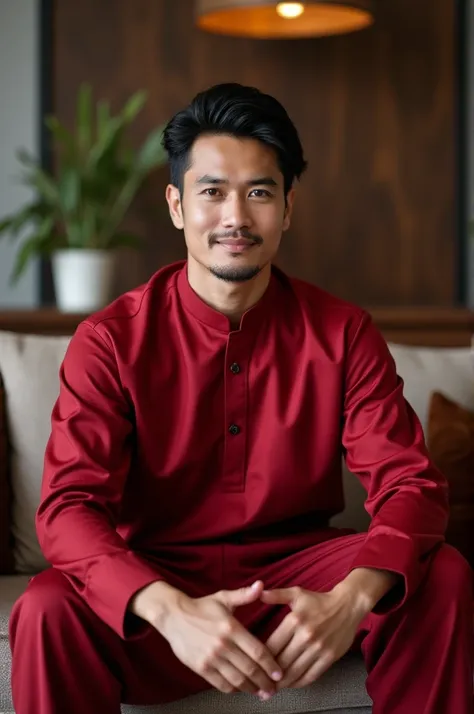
375,218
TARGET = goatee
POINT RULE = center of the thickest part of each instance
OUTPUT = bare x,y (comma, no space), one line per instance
235,275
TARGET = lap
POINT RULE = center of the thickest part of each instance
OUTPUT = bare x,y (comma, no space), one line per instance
149,670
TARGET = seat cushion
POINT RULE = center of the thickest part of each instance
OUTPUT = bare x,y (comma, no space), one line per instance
6,545
340,690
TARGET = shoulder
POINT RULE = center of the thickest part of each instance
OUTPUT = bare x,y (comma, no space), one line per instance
321,308
129,315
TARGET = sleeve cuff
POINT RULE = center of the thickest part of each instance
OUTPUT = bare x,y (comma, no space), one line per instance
396,554
112,582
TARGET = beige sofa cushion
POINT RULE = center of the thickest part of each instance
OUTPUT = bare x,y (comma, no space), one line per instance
29,365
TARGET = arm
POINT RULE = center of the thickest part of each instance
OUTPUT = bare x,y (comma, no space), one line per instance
385,448
86,465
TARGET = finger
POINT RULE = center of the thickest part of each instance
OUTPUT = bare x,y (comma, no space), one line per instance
216,680
249,670
279,596
300,666
280,637
233,671
314,672
293,650
241,596
258,653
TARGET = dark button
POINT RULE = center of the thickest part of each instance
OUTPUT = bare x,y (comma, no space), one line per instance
234,368
234,429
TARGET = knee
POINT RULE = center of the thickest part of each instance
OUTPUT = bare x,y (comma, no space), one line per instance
47,596
449,573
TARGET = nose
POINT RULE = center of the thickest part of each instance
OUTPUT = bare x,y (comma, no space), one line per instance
236,213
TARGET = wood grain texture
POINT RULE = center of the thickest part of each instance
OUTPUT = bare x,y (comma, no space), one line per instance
375,215
423,326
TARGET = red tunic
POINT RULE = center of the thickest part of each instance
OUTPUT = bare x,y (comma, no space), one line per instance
172,429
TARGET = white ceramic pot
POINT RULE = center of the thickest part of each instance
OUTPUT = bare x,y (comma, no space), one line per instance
83,279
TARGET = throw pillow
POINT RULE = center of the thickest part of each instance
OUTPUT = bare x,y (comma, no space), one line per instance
6,546
450,441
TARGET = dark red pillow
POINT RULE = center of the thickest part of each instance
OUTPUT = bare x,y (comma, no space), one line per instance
450,440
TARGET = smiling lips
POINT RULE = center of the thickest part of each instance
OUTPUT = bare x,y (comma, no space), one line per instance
236,245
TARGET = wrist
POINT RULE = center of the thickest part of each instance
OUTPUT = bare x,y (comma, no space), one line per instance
152,602
364,587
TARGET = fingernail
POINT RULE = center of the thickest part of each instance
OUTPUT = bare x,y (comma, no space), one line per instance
276,676
264,696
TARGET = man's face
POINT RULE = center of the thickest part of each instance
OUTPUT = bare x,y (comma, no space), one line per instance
233,206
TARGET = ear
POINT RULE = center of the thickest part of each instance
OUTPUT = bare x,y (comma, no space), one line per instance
174,204
290,199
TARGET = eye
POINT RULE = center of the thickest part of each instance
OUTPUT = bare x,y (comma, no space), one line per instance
261,193
211,192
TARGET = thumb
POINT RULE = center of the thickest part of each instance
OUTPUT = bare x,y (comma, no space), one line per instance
280,596
241,596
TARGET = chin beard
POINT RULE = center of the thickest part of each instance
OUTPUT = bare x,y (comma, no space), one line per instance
235,275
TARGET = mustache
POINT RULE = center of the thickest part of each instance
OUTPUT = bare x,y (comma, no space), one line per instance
216,237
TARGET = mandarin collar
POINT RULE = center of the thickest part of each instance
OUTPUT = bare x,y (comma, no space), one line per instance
251,319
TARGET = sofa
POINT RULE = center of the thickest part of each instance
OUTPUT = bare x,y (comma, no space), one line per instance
29,365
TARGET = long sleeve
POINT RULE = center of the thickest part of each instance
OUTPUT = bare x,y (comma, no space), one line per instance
384,445
87,462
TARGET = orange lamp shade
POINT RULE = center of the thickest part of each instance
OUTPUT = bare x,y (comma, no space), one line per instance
272,20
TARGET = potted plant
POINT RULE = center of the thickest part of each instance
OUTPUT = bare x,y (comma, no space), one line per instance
76,214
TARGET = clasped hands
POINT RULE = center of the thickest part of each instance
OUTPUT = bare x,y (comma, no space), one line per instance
204,634
318,631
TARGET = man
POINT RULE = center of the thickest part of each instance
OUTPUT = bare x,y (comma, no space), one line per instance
195,462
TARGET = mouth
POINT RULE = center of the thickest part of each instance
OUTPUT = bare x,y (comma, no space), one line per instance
238,245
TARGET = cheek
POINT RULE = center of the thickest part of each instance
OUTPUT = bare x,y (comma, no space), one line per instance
203,217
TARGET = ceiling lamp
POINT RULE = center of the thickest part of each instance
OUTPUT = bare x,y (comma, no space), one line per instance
271,20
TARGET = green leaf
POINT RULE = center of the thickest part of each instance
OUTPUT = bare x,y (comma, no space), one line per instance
84,117
89,227
62,136
69,190
30,213
5,224
103,118
152,154
105,148
43,183
122,203
133,106
40,243
25,158
125,240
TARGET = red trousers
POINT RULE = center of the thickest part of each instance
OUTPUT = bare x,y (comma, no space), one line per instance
419,657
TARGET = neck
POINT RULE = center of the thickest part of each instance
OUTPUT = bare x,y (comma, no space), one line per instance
229,298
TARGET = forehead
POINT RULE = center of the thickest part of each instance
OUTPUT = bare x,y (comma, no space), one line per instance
232,157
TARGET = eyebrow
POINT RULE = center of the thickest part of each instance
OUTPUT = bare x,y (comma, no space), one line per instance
216,181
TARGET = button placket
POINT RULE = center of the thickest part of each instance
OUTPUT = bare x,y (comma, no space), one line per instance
235,412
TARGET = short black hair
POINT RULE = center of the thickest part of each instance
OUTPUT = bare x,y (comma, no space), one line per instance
234,110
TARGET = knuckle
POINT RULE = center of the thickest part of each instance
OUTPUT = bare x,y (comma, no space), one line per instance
219,646
307,633
258,652
226,628
205,665
239,681
252,670
295,619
